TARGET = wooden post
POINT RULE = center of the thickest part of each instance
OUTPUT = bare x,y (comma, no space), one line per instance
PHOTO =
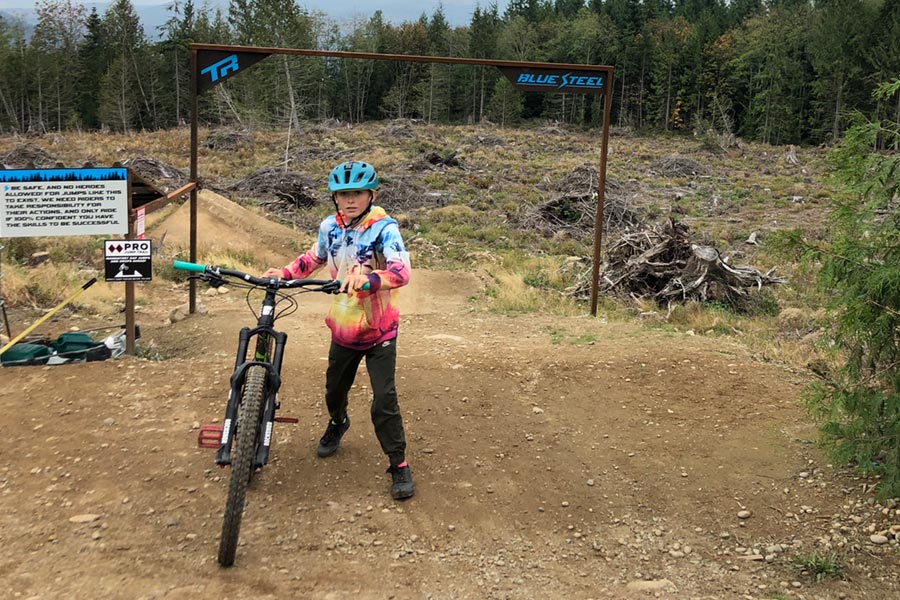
601,198
129,285
192,301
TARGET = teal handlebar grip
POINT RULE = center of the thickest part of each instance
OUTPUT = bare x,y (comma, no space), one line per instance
189,266
364,288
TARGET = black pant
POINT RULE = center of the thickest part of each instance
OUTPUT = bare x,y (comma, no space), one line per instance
380,362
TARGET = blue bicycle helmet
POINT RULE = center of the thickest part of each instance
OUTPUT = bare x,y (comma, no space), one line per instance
353,175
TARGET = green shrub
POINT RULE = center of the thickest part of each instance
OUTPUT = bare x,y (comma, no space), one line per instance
858,405
819,565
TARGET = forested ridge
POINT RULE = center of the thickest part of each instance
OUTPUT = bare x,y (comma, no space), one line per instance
777,71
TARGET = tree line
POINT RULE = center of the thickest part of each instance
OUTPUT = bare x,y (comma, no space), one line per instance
778,71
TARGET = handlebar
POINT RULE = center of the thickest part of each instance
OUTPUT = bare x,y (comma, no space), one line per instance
330,286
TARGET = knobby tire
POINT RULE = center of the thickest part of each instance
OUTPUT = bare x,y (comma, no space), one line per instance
243,457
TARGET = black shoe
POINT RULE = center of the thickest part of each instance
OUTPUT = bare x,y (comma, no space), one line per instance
330,441
402,486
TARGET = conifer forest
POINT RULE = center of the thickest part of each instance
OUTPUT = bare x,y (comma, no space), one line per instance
775,71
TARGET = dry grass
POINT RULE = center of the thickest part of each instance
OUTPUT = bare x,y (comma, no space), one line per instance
510,292
749,189
43,287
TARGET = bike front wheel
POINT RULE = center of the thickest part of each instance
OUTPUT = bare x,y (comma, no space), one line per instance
243,458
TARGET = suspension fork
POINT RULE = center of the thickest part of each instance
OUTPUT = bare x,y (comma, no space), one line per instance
265,321
273,383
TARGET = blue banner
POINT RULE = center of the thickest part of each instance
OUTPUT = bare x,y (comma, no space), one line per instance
36,175
551,80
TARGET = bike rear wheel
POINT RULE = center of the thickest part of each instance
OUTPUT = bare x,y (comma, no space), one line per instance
243,458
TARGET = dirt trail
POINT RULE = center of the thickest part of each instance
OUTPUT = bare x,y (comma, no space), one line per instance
554,458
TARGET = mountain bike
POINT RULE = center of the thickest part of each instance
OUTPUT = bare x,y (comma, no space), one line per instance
244,439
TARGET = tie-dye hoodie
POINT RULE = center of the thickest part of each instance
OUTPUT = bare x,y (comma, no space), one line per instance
364,319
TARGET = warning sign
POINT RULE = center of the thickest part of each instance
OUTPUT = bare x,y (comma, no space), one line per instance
127,260
43,202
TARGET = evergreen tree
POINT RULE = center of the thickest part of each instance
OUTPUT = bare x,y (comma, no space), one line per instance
436,87
92,61
707,20
656,9
506,104
776,70
124,101
882,58
401,100
740,10
356,75
627,15
384,72
242,19
12,90
587,38
836,42
460,77
858,405
282,88
633,61
530,10
670,37
484,31
179,32
518,41
771,72
59,29
567,8
719,86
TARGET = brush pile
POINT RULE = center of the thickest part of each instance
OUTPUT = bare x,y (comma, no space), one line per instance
404,193
434,161
314,150
278,190
324,127
553,129
165,177
572,208
678,166
400,132
27,156
489,140
402,129
229,140
664,263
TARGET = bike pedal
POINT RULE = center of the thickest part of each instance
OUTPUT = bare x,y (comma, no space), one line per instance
286,420
210,436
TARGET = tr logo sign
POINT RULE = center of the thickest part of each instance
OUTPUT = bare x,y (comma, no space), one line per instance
215,66
221,69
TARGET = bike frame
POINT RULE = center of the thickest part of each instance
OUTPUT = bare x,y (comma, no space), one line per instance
253,437
268,353
265,334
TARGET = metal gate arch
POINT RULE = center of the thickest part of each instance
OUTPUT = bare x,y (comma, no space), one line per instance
212,64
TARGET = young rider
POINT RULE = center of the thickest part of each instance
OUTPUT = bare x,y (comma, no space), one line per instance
363,248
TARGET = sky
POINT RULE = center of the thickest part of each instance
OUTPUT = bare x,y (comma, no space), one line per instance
457,12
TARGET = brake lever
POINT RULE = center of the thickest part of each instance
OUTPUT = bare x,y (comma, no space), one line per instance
332,287
213,280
